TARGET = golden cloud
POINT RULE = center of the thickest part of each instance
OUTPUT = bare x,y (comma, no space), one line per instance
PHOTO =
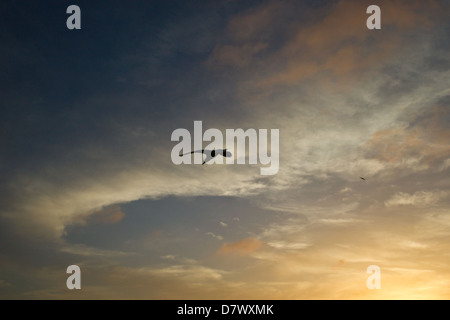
243,247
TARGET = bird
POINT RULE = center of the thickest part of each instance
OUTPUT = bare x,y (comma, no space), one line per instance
210,154
363,178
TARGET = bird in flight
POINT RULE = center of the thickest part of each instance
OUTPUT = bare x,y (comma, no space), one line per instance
363,178
210,154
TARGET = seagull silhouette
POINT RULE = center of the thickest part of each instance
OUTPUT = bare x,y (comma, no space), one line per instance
363,178
210,154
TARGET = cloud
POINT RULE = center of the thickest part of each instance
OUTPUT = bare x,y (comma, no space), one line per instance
234,55
87,251
425,143
418,199
255,22
242,247
246,36
223,224
409,270
339,45
108,215
327,137
414,244
214,236
127,282
191,273
345,190
288,245
337,222
38,214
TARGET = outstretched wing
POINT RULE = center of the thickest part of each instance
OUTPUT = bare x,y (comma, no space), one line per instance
196,151
207,153
208,157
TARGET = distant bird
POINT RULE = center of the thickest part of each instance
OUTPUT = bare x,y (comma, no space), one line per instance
210,154
363,178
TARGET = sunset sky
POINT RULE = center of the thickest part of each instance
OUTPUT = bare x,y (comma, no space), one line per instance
86,176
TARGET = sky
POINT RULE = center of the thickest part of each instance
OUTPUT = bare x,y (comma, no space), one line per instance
86,176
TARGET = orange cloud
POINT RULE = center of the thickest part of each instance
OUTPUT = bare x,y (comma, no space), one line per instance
253,22
341,44
428,141
332,41
108,215
245,36
243,247
395,144
407,14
